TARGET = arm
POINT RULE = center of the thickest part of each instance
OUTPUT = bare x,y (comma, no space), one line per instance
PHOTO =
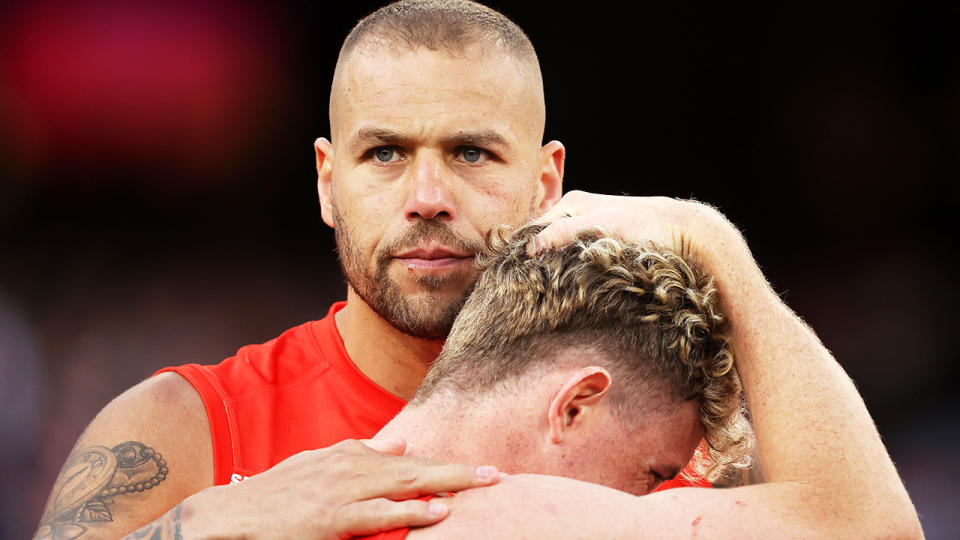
132,463
156,434
827,473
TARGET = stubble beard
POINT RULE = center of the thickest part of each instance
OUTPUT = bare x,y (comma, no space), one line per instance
424,316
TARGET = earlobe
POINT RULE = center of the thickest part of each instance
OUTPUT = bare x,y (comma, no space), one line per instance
551,161
576,400
324,151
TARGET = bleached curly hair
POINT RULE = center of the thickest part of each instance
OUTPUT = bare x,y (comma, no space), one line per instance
645,312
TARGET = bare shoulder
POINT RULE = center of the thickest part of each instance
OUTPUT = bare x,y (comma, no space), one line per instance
536,506
146,451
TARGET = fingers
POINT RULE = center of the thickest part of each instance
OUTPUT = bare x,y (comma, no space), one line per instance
406,477
560,231
573,203
376,515
393,446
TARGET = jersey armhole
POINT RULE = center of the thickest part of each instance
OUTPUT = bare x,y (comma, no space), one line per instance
217,416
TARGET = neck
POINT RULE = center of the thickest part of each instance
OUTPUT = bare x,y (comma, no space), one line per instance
446,433
461,431
392,359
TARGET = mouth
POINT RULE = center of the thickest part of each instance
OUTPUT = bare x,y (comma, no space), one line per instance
433,256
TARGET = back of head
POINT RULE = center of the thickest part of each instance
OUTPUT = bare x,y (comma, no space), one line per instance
644,312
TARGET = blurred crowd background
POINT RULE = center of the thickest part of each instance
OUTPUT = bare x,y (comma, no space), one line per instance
158,200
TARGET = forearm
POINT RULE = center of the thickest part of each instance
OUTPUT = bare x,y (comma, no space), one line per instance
811,424
538,506
827,472
167,527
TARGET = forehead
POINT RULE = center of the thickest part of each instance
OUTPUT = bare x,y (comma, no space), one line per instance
423,91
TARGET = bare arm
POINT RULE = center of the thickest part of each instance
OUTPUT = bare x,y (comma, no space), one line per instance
827,472
144,467
146,451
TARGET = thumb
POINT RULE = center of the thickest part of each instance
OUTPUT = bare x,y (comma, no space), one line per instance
395,446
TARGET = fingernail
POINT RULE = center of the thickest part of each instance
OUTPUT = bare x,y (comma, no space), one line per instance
538,244
534,245
437,509
385,442
487,473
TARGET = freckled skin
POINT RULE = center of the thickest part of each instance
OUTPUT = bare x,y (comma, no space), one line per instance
631,451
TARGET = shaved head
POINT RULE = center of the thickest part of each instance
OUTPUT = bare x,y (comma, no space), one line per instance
436,117
458,29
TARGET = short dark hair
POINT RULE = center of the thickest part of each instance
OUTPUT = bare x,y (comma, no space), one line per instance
448,26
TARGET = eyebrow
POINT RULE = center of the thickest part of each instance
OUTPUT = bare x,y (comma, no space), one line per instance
375,136
378,136
482,138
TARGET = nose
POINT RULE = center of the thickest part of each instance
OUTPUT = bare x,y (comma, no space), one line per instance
429,193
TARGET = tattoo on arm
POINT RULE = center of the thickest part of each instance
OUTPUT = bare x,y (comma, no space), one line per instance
91,479
165,528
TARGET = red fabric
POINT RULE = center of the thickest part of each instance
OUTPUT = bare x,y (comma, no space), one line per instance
297,392
395,534
696,481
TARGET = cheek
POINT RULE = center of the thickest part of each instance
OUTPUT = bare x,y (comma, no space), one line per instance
364,209
502,203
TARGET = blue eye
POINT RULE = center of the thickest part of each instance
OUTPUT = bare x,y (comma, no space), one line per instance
385,154
471,155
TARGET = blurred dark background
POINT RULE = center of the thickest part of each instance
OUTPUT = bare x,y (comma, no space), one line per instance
158,203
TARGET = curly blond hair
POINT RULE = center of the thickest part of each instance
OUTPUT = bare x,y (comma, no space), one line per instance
644,310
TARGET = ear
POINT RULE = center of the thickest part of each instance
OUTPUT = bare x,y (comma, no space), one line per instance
324,152
550,170
577,400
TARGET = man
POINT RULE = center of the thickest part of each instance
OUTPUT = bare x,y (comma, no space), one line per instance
541,373
435,138
596,345
437,117
592,345
607,363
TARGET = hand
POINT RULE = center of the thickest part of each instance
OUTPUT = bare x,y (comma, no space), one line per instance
695,230
665,221
349,489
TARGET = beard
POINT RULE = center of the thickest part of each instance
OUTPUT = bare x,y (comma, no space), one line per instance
425,316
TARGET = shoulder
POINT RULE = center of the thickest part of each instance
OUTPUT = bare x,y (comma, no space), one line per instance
164,412
146,451
536,506
298,351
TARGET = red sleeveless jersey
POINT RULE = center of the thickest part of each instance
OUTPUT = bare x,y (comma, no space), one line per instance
297,392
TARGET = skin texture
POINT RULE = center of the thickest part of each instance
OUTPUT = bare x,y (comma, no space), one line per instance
428,197
154,413
459,140
291,500
379,204
828,474
558,419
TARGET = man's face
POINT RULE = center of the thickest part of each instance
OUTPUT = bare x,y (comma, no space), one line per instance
632,455
429,152
657,448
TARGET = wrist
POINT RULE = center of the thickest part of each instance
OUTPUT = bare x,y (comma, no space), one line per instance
195,514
